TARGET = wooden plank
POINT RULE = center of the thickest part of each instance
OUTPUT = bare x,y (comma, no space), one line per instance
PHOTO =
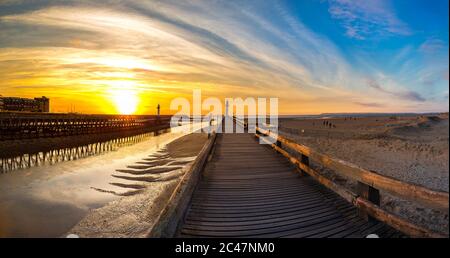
266,225
259,208
262,232
306,214
305,209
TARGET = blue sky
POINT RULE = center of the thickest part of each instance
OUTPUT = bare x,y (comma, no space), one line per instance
315,55
403,39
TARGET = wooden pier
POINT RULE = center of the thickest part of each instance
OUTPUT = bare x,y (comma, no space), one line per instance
25,125
239,188
247,191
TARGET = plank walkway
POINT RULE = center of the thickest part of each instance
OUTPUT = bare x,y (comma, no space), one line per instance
249,190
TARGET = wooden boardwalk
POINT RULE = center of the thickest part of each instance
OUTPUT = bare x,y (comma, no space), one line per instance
249,190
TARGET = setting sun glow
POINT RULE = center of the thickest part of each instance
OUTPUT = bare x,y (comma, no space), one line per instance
126,101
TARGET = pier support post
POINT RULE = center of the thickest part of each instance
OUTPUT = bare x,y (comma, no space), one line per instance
371,194
305,160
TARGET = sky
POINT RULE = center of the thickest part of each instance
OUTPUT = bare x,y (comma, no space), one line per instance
316,56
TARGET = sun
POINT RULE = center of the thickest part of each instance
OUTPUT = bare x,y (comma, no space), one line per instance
126,101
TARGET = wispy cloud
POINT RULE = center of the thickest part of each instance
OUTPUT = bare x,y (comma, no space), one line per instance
362,19
369,104
227,48
445,75
162,40
405,94
433,45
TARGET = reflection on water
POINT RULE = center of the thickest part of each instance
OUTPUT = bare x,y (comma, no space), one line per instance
49,199
66,154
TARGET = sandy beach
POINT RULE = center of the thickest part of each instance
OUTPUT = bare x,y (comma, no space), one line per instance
413,149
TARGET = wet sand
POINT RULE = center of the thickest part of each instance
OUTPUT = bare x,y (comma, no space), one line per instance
413,149
48,200
132,216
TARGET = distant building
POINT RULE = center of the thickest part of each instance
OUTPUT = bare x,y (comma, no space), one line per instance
43,104
23,104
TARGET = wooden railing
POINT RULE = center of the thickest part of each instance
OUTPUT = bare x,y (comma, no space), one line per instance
367,198
240,122
172,215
